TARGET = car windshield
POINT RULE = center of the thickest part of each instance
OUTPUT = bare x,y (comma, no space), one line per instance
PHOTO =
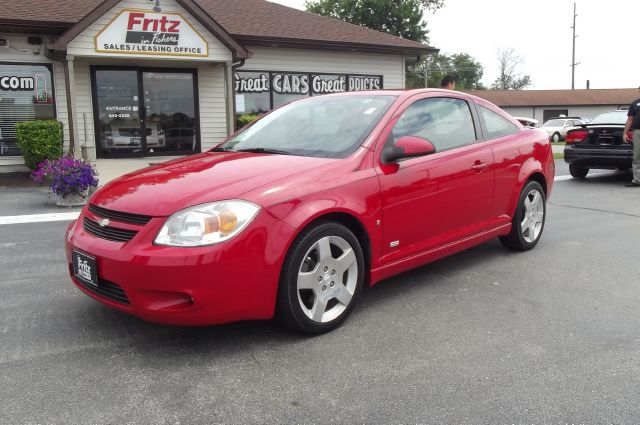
615,117
326,126
553,123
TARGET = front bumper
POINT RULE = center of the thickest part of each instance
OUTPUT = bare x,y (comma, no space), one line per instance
231,281
599,157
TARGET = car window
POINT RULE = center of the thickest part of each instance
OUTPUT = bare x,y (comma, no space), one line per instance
323,126
445,122
495,124
614,117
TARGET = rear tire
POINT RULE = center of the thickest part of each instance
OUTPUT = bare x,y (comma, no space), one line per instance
528,219
578,172
321,279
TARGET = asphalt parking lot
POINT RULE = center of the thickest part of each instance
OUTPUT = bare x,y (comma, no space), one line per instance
485,336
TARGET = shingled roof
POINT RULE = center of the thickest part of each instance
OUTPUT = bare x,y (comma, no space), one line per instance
251,22
580,97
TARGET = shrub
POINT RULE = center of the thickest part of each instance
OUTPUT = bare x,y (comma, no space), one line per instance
66,175
39,140
246,119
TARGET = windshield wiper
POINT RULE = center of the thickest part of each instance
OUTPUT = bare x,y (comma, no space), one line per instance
264,150
221,150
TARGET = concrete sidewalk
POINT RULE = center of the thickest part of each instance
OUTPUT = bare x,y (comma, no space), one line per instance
109,169
29,199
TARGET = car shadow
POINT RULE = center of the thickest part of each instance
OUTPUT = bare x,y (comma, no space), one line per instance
169,342
434,275
604,177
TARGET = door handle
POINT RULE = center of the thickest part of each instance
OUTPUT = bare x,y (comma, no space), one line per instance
479,166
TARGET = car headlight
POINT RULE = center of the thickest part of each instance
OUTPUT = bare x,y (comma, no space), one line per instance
207,224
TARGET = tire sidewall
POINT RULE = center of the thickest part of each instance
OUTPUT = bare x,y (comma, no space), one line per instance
578,172
288,304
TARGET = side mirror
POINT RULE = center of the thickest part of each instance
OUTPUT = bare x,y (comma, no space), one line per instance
407,147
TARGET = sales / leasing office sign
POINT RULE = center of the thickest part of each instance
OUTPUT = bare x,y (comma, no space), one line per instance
141,32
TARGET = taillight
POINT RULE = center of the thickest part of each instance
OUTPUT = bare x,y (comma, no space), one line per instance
576,136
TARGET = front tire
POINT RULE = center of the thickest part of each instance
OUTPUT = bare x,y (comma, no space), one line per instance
555,138
528,220
321,279
578,172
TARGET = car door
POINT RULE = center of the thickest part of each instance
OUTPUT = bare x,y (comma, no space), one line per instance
437,199
511,149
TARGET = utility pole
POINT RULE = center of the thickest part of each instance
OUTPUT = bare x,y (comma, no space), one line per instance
426,71
573,53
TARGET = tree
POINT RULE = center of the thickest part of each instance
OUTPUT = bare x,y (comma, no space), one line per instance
508,78
462,66
403,18
467,71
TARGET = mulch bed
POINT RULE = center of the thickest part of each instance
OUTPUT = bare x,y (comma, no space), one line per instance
16,179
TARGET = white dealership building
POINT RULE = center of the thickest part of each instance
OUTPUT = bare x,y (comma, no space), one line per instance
134,78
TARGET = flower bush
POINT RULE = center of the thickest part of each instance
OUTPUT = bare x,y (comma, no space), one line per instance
65,175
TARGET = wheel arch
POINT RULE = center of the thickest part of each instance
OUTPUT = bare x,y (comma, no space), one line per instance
351,222
540,178
531,170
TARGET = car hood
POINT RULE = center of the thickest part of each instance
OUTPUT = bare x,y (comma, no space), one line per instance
163,189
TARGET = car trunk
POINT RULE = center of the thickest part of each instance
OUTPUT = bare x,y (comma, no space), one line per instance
606,137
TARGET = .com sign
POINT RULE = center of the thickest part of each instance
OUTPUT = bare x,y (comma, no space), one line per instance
13,83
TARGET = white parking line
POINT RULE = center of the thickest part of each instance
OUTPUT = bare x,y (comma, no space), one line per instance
38,218
562,178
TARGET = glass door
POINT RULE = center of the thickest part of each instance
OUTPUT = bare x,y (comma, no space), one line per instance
143,112
119,122
169,110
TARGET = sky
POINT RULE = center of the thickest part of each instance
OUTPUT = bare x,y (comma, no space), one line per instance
540,33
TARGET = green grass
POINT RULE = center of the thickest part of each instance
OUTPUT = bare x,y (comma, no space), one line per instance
557,143
558,155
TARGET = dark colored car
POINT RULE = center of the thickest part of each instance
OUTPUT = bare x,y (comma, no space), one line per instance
598,144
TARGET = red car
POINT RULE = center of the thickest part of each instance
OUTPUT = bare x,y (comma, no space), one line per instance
293,215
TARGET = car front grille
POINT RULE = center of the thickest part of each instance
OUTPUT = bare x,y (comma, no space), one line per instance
119,215
108,232
105,289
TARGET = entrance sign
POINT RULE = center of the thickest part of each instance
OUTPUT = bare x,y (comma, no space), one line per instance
141,32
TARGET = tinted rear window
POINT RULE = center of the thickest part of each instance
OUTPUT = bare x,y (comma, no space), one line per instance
617,117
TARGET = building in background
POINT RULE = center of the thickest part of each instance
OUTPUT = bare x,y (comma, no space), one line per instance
544,105
136,78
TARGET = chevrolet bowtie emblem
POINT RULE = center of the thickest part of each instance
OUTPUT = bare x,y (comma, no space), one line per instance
104,222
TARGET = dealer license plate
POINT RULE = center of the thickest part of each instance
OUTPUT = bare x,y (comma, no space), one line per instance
85,268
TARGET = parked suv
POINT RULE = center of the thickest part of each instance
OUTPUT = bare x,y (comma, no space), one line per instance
557,128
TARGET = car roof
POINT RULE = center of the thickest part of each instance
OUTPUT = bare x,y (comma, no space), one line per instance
526,119
565,118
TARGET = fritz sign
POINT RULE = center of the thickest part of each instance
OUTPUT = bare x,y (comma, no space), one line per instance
141,32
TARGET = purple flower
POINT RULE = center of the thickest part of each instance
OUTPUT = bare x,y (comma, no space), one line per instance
65,175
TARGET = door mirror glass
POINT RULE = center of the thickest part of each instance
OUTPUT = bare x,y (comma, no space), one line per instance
407,147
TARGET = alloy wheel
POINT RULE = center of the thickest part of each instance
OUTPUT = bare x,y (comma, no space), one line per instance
533,220
327,279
